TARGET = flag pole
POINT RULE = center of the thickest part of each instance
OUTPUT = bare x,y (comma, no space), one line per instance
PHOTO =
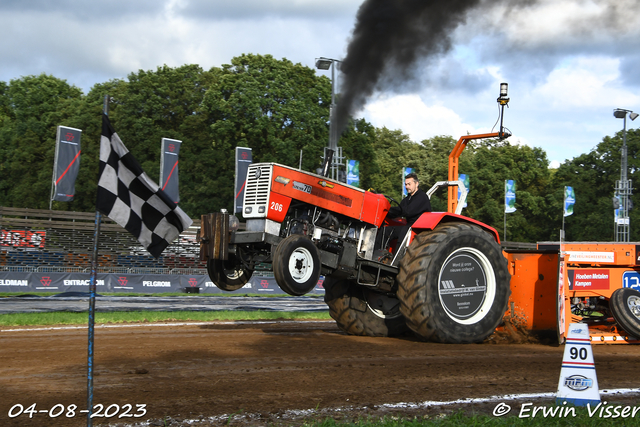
92,299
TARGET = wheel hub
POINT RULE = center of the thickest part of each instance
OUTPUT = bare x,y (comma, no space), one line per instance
301,265
382,305
633,303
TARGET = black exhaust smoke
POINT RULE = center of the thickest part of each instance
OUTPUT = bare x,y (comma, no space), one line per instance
388,38
391,36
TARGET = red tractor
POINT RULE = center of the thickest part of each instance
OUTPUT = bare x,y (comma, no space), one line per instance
447,281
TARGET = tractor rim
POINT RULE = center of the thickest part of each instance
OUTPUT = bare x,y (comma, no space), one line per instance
382,305
301,265
234,272
633,302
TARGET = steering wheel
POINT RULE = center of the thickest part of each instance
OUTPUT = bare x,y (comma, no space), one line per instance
391,199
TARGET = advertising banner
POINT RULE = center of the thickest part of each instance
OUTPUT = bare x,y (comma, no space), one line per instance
353,173
260,283
243,160
169,168
569,200
66,164
23,238
509,196
588,278
465,179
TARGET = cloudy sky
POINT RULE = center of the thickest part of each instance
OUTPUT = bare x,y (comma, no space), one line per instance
569,63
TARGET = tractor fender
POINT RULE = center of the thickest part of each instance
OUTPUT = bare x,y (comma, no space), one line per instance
430,220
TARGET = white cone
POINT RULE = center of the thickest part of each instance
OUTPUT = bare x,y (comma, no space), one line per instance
578,383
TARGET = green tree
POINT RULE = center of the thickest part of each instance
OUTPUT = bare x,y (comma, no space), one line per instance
166,103
86,114
593,177
394,150
31,109
358,143
436,167
488,163
274,107
494,162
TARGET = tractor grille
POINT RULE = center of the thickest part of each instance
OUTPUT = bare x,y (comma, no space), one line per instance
256,192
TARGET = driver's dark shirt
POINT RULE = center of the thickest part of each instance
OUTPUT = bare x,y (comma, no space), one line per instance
411,207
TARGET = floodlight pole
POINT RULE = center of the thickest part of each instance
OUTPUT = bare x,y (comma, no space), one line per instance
623,187
502,101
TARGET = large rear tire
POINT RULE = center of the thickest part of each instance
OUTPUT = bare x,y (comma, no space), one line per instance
453,284
625,307
359,311
229,275
296,265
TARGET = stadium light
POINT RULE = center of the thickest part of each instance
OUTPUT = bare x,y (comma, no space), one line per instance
323,63
623,187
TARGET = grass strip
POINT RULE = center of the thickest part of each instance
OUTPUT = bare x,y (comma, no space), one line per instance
581,418
81,318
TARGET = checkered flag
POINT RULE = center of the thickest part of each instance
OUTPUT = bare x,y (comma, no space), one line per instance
129,197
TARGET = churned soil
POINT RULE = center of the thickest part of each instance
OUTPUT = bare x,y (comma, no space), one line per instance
270,373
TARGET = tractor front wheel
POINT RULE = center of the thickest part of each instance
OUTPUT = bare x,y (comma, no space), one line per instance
359,311
229,275
296,265
453,284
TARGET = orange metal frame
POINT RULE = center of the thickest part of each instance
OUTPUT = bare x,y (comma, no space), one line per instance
595,270
543,283
452,199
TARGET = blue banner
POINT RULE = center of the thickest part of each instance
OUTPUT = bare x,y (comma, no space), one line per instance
465,179
405,172
353,173
509,196
569,200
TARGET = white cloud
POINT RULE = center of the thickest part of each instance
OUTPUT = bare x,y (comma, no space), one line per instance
585,82
558,23
225,9
410,114
568,63
71,48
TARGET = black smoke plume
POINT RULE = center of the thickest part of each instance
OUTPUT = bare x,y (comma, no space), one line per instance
388,38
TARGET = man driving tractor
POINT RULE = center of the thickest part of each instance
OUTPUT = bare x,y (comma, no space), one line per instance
411,207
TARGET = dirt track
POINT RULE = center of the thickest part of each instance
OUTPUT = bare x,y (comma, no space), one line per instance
185,372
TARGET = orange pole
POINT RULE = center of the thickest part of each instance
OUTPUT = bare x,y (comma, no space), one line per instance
452,199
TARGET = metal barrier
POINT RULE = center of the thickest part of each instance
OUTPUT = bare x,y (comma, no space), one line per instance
52,269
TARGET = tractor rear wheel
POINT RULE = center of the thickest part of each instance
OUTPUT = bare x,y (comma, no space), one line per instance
359,311
453,284
229,275
625,307
296,265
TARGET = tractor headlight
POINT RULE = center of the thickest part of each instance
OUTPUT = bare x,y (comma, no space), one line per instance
234,223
